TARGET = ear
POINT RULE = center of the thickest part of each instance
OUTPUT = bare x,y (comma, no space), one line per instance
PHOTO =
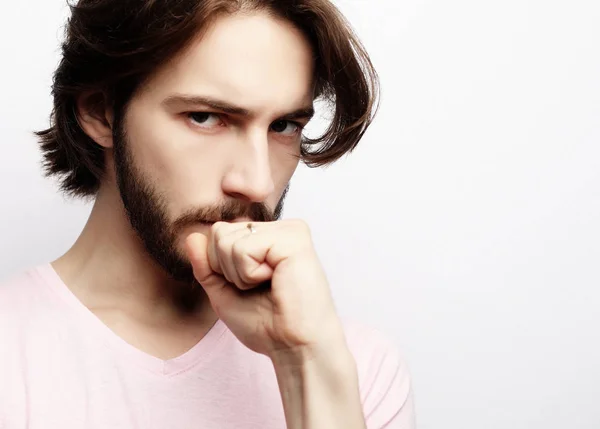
96,118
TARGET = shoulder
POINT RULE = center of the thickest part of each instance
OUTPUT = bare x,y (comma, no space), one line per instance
376,353
16,289
384,377
23,296
20,297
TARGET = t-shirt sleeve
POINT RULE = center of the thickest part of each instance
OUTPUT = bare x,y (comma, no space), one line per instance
385,383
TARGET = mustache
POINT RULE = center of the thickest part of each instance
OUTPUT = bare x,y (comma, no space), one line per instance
226,212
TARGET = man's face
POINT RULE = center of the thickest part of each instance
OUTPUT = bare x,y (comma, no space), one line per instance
215,134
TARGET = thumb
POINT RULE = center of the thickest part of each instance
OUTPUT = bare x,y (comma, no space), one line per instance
196,246
220,294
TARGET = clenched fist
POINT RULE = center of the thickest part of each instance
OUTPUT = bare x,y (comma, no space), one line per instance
265,282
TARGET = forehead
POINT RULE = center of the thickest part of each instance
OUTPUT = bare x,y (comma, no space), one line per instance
256,61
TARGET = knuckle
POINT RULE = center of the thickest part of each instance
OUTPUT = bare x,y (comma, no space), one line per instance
217,231
228,277
244,263
247,279
237,249
224,243
240,261
245,285
217,226
302,228
300,225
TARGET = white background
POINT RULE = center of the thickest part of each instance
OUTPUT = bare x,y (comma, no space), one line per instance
466,225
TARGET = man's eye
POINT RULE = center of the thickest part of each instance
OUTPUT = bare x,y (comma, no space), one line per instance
205,119
286,128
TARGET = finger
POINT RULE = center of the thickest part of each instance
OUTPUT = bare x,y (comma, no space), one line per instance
233,244
224,248
196,246
287,237
249,259
216,234
217,288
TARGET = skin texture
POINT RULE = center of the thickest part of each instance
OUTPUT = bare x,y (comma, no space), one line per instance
215,136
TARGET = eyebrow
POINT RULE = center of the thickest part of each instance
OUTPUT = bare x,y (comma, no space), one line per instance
188,100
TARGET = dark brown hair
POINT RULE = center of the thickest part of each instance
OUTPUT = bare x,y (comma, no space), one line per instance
112,46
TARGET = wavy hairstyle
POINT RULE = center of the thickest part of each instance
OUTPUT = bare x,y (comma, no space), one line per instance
112,46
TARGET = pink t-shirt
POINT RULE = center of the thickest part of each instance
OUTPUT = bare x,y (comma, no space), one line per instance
62,368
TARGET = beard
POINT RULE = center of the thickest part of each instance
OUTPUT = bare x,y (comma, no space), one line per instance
146,209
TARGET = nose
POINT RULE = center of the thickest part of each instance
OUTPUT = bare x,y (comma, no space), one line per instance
250,177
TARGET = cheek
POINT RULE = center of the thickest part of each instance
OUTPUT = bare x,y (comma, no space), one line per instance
182,167
285,158
284,162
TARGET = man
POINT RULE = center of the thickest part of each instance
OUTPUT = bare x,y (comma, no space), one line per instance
186,302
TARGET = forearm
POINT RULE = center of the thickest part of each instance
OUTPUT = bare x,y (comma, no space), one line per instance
321,392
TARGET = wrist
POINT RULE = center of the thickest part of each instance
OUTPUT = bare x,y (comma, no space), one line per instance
328,348
336,358
320,390
325,343
330,365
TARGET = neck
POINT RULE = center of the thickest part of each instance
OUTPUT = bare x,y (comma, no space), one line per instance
108,265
